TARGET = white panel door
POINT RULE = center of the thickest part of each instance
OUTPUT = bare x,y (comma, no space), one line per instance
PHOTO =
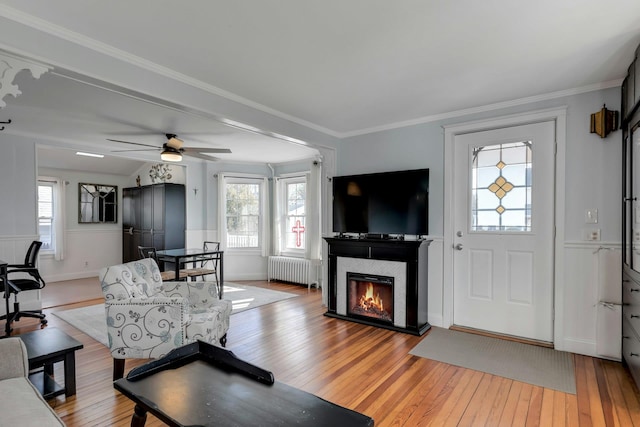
503,225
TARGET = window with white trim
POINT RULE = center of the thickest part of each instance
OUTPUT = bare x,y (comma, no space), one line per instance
244,212
293,208
46,214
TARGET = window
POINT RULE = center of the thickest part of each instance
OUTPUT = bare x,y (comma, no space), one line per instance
243,212
501,198
294,211
45,215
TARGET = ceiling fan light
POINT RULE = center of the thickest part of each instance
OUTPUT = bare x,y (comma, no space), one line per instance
170,155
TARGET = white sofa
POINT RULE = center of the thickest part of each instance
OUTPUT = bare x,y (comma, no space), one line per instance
21,403
146,317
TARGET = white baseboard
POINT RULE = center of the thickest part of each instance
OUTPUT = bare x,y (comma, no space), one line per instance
435,321
578,346
72,276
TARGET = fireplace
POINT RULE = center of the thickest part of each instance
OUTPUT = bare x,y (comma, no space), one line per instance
381,283
370,296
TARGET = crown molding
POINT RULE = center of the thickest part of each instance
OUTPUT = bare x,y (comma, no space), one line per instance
486,108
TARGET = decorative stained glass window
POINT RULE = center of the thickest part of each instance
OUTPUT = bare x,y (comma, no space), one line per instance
501,187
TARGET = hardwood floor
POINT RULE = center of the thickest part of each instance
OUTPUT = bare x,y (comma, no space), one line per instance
364,368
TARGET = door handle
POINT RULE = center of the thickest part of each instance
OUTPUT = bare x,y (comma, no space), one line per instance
458,247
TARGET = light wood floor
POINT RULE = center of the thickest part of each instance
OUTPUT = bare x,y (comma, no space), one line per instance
367,369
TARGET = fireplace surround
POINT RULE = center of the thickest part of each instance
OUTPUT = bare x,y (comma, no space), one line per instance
401,262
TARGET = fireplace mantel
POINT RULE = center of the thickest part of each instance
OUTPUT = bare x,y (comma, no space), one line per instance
410,255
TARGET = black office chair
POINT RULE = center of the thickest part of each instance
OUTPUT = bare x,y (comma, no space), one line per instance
16,286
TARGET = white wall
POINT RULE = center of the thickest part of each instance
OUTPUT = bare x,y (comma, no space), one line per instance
17,187
592,169
592,176
88,247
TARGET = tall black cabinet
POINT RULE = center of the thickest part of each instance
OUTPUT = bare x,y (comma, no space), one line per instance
152,215
631,219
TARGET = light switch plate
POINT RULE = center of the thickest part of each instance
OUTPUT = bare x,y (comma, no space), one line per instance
591,216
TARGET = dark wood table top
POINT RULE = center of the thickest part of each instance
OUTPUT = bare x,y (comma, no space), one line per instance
187,252
210,391
48,343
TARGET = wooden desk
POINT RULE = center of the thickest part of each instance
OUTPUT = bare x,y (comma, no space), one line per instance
181,256
204,385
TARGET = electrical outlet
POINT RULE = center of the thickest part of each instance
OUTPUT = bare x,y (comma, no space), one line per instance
86,263
592,234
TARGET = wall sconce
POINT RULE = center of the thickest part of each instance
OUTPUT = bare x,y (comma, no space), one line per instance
604,121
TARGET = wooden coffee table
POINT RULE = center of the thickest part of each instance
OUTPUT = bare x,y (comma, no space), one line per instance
46,347
203,385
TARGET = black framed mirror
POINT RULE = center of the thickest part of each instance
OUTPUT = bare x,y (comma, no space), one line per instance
97,203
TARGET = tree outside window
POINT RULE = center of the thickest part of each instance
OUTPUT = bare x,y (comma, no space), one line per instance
243,215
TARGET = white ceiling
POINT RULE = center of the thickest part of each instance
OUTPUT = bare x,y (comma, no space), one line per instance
340,67
78,116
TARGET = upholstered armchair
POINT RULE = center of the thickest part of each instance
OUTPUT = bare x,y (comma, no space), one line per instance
146,317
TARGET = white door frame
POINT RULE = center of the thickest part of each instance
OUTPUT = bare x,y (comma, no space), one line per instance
559,115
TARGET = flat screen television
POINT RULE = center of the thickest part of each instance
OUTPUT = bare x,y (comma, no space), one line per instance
382,203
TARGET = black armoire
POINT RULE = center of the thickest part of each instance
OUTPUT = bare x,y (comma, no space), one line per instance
152,215
630,113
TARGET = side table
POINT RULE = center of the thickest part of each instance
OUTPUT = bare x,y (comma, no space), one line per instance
46,347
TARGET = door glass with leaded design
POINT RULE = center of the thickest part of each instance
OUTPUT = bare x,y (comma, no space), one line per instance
501,187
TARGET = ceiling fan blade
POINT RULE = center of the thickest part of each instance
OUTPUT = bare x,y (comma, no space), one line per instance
205,150
138,149
133,143
200,156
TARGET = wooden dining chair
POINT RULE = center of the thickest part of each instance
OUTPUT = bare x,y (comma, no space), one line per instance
205,265
150,252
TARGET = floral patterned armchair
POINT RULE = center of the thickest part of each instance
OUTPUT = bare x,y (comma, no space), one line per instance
147,318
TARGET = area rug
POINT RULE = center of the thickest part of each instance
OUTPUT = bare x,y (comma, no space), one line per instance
531,364
90,319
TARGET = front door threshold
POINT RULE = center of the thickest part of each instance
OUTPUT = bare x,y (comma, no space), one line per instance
501,336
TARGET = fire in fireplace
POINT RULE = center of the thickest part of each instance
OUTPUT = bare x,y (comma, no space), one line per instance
370,296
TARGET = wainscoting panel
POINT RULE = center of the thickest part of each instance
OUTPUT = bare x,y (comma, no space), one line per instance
14,248
86,252
584,274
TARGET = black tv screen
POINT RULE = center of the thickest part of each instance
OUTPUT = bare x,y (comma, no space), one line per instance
382,203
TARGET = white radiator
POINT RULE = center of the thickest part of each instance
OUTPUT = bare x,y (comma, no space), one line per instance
288,269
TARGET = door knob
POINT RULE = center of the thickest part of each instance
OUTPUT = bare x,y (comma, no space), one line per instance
458,247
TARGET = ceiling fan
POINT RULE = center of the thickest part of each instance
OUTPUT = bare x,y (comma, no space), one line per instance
172,150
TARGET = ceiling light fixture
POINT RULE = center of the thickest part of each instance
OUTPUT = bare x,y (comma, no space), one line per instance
170,154
82,153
